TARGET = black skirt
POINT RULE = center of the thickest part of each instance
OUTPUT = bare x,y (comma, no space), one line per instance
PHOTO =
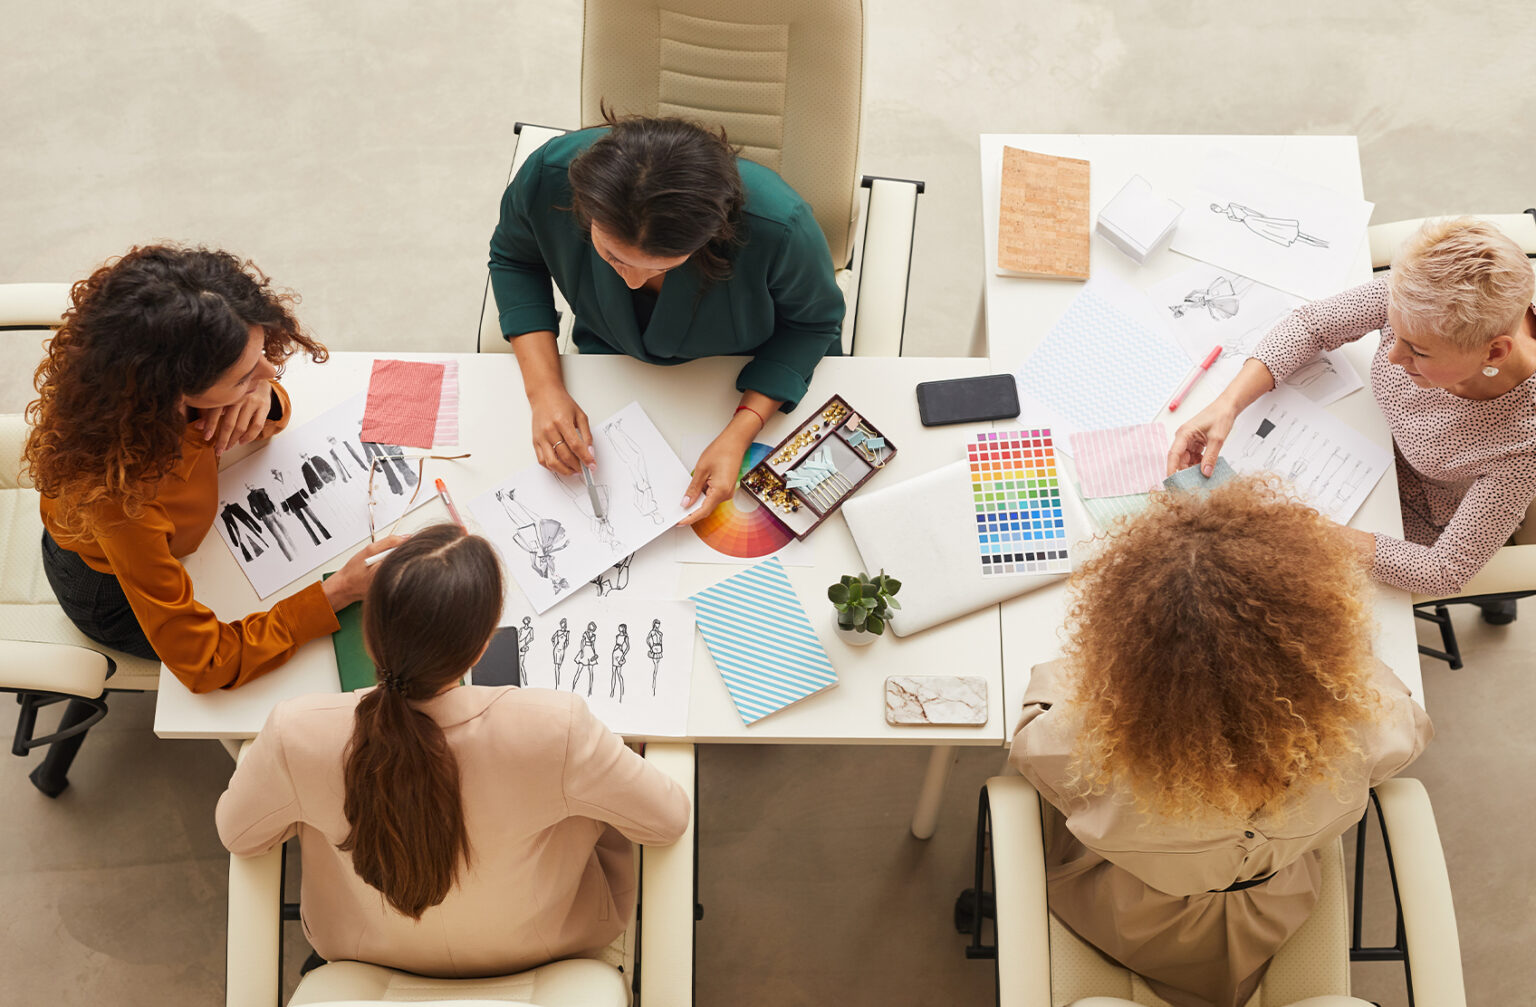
94,601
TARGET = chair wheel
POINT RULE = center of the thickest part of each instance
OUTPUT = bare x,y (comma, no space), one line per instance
965,910
1499,613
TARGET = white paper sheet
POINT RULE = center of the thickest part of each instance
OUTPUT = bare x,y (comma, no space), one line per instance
544,525
303,498
1243,215
1331,464
1207,306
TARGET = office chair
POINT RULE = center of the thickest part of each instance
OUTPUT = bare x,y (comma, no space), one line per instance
785,78
1040,963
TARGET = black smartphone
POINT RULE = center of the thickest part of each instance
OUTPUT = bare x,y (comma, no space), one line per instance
499,665
967,400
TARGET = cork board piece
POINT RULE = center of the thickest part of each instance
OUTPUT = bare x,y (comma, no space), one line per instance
1043,221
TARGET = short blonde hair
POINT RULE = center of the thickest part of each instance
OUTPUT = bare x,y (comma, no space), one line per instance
1462,279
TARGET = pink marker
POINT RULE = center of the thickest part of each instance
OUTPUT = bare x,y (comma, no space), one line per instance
1210,358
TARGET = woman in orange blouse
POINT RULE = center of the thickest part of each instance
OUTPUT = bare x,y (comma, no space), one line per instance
166,358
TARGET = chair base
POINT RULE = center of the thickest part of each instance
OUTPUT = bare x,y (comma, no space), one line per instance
51,777
1497,610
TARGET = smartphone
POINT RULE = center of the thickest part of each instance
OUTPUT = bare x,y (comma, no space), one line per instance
967,400
499,664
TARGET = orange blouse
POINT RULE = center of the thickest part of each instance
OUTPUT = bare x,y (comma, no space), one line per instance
144,556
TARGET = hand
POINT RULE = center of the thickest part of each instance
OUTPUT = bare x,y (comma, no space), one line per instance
239,423
715,474
562,438
1199,441
351,582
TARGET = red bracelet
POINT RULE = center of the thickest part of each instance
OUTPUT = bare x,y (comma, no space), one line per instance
754,412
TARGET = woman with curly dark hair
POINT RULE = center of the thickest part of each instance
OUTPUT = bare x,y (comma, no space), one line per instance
166,357
1217,718
668,247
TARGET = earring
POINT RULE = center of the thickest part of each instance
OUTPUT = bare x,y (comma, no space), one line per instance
1490,371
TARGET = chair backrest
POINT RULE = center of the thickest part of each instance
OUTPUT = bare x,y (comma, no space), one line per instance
573,982
784,77
1385,238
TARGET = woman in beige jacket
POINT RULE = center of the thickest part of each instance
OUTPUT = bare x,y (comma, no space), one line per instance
449,830
1217,718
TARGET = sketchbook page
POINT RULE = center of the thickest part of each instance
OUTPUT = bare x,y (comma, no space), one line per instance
1207,306
1244,215
302,499
546,528
740,528
1329,463
1108,362
630,659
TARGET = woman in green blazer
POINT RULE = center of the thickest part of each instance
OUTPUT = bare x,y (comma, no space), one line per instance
668,248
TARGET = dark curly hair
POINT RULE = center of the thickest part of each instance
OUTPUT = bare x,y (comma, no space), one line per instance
667,186
142,331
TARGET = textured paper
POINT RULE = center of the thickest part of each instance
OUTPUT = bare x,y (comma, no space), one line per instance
1121,461
1043,218
403,397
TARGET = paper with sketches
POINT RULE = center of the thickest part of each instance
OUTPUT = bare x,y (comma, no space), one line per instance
1329,463
1122,460
740,528
447,432
630,659
1108,362
1295,235
303,498
1207,306
545,525
403,397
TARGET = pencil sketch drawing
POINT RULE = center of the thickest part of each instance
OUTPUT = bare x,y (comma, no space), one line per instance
620,655
586,658
615,578
602,527
560,639
539,537
634,460
1281,230
653,651
1221,298
524,641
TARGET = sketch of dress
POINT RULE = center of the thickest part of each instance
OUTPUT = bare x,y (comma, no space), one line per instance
602,527
586,658
1222,298
561,639
298,506
524,641
615,578
234,516
620,655
265,510
539,537
634,460
653,651
1281,230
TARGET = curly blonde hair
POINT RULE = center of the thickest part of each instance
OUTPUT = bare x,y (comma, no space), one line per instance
1462,279
1220,648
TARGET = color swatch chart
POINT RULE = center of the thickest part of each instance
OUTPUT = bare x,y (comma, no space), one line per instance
1017,493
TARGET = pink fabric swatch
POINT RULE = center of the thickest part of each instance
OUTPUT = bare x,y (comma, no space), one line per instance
1122,460
448,407
403,397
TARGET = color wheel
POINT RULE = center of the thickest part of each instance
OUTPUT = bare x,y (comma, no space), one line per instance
739,526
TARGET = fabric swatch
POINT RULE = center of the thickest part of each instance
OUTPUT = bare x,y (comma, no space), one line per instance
762,641
1191,479
1122,460
403,397
1105,511
448,407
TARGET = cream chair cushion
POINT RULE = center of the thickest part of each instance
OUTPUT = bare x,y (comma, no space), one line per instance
576,982
1386,238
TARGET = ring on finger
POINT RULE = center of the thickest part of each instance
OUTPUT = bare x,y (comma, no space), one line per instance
558,443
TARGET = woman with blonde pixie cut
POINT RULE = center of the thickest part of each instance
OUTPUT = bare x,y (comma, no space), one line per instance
1452,375
1217,718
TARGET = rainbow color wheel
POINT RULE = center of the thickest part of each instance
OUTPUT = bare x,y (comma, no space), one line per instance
740,526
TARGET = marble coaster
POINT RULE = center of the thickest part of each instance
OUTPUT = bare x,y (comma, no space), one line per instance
936,699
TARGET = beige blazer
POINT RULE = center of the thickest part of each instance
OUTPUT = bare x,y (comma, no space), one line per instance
1148,893
551,798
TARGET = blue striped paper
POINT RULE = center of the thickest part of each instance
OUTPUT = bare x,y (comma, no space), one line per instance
761,640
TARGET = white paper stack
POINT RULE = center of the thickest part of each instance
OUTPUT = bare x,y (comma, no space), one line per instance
1138,220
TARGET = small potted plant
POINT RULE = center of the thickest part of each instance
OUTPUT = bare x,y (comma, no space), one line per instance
863,606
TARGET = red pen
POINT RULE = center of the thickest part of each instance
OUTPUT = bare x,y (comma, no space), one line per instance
442,490
1210,358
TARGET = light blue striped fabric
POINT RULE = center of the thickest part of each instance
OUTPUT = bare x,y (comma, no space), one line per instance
761,640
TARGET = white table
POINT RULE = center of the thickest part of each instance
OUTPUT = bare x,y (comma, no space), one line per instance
1020,311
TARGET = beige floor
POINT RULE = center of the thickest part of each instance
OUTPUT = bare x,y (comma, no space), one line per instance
356,151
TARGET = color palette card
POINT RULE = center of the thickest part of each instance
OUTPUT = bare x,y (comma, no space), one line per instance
1017,495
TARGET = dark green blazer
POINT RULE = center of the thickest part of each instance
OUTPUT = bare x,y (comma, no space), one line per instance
781,305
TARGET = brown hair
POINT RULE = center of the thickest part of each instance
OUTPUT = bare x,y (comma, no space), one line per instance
667,186
142,331
433,604
1221,651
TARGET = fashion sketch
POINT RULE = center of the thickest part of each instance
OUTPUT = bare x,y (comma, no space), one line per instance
602,527
586,658
1281,230
539,537
653,651
524,641
1222,298
620,655
298,506
340,466
634,459
317,470
353,452
560,639
615,578
391,453
234,517
265,511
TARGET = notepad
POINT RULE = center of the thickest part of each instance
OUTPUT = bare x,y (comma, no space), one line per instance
354,667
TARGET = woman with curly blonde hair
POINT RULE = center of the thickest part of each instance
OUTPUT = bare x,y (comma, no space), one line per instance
1216,719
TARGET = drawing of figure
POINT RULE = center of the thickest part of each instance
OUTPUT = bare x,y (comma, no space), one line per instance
524,641
1310,373
586,658
602,527
341,466
279,477
298,506
234,516
1221,299
615,578
311,474
266,511
620,655
634,460
1280,230
391,453
355,456
322,468
561,639
653,651
539,537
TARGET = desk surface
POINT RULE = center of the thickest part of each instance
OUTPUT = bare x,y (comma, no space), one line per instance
1020,311
494,427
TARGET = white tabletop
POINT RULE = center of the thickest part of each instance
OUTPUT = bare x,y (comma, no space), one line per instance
684,402
1019,312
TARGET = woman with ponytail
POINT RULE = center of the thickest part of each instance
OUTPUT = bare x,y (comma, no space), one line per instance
449,830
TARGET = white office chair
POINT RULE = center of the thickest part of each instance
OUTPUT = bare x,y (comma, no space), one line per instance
1040,963
659,973
785,78
44,659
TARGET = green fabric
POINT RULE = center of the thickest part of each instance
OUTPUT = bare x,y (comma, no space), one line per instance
781,305
353,665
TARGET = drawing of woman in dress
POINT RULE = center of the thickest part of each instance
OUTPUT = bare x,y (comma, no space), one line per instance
1220,299
561,638
524,641
1280,230
653,651
634,460
586,658
539,537
620,655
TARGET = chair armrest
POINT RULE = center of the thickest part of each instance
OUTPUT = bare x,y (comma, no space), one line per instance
255,932
1018,872
33,304
1424,891
1512,568
885,267
667,894
53,667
